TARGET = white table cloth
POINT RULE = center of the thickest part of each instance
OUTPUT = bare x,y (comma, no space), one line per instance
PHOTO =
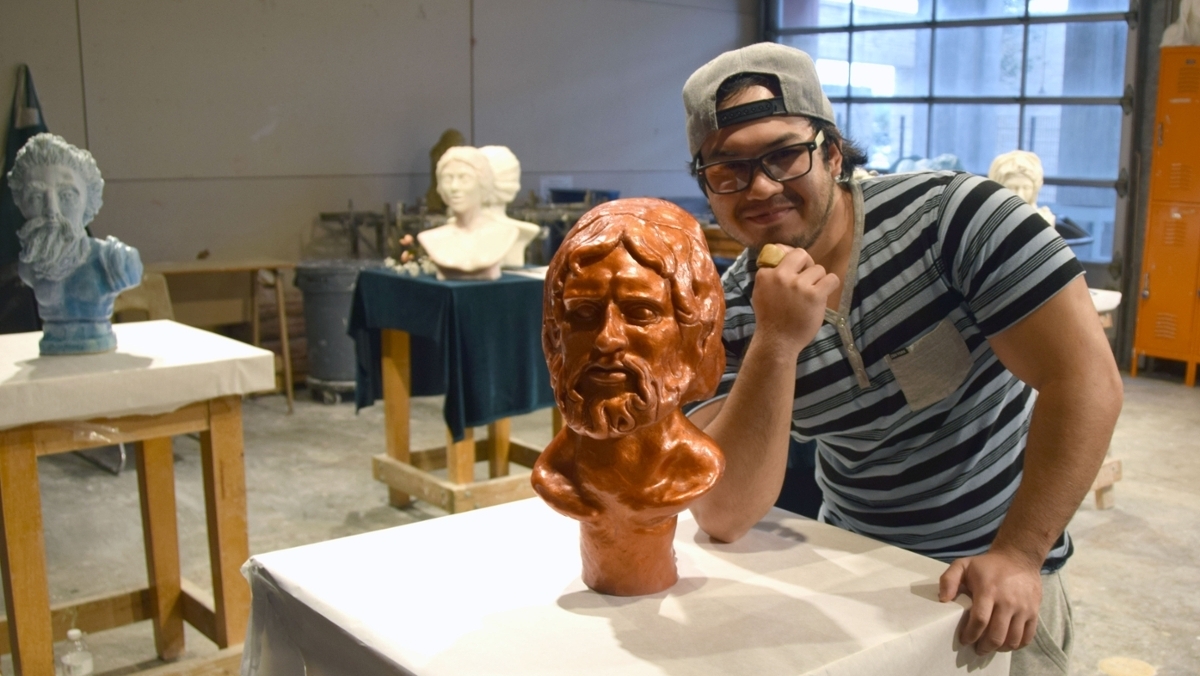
498,591
157,367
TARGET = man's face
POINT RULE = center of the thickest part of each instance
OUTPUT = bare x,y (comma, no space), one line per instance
793,213
55,192
621,347
459,186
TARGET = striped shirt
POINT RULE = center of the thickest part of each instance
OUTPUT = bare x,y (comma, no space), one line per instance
920,429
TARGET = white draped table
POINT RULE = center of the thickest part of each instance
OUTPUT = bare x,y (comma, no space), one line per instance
498,591
163,379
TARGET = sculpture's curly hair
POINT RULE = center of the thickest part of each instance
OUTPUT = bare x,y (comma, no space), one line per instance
661,236
50,149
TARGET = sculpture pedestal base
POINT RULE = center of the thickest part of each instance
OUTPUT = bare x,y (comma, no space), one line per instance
77,338
621,558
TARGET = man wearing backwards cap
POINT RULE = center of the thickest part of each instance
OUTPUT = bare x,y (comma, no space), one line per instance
929,330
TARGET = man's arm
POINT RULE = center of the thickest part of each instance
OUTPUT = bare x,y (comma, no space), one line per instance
752,424
1059,350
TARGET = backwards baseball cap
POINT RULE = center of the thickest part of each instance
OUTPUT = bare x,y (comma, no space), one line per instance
797,74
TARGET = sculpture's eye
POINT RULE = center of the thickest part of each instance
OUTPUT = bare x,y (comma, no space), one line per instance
582,312
642,313
68,198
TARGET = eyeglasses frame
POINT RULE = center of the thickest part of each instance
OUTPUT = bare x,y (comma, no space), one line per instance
757,165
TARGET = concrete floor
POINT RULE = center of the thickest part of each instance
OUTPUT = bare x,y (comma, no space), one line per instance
1134,580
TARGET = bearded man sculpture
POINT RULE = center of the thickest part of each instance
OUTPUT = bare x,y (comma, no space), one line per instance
74,277
633,310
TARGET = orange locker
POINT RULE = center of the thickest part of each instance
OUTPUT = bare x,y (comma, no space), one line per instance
1168,322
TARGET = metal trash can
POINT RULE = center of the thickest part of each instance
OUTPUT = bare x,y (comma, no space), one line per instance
328,287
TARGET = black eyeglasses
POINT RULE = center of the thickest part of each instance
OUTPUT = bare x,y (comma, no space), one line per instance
781,164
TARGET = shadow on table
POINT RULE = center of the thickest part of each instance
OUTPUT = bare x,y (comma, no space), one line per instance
60,366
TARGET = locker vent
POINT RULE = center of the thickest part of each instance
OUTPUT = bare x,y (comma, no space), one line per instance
1180,176
1173,233
1189,79
1164,326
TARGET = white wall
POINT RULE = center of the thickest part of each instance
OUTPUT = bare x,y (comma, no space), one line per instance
228,125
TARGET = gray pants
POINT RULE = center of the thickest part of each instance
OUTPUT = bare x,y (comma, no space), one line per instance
1050,652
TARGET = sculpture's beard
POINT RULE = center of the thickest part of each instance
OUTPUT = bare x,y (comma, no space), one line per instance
602,417
53,247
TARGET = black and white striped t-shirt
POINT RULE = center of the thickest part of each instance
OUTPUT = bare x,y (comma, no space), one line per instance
920,429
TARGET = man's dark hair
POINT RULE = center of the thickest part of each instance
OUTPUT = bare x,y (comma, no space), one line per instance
852,155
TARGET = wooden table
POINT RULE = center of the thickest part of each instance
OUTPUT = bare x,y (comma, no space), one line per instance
164,379
409,473
498,591
479,343
253,266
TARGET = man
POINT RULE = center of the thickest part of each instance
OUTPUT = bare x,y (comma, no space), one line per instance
632,329
929,330
75,278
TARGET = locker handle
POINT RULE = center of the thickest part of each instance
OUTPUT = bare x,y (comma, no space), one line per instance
1146,285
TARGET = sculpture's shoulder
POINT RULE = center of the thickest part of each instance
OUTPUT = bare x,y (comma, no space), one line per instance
122,264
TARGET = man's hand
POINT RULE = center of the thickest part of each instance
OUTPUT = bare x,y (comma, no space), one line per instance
789,299
1005,591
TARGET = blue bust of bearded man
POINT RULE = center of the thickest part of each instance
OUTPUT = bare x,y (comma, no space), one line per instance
75,277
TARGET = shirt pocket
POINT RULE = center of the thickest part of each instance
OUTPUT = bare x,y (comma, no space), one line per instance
931,368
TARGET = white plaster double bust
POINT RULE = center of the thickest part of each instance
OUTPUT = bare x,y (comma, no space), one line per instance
1021,172
477,184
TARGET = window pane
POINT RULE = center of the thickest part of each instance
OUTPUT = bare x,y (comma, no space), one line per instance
1075,141
979,9
839,116
890,63
868,12
829,51
1081,59
977,61
974,133
890,132
1091,209
1043,7
813,13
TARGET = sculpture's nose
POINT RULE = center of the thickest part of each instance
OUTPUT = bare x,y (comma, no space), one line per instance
612,334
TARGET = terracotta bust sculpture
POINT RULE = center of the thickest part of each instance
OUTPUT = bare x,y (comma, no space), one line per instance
506,173
1021,172
633,312
75,278
474,241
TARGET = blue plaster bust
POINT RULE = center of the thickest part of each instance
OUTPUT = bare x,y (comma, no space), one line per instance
74,277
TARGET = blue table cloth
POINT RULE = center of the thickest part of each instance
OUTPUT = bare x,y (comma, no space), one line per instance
477,342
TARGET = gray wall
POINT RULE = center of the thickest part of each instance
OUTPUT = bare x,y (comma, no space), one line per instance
228,125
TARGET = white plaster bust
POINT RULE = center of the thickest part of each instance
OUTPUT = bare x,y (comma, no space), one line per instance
506,171
474,242
1186,29
1021,172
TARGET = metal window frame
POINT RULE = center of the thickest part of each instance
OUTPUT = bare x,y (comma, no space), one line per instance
773,33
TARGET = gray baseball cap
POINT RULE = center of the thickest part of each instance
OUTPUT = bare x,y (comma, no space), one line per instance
802,94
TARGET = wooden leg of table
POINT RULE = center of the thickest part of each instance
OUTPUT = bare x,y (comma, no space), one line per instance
498,444
460,457
223,462
23,550
396,367
556,421
156,486
255,324
283,340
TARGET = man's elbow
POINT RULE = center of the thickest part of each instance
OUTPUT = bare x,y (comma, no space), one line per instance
720,525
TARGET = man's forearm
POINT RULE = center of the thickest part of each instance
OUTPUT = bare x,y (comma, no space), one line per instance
752,431
1069,434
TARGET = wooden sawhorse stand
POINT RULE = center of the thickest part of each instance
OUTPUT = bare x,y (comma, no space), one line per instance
33,624
408,473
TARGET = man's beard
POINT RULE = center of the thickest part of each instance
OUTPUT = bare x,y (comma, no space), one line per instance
813,228
616,416
52,247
